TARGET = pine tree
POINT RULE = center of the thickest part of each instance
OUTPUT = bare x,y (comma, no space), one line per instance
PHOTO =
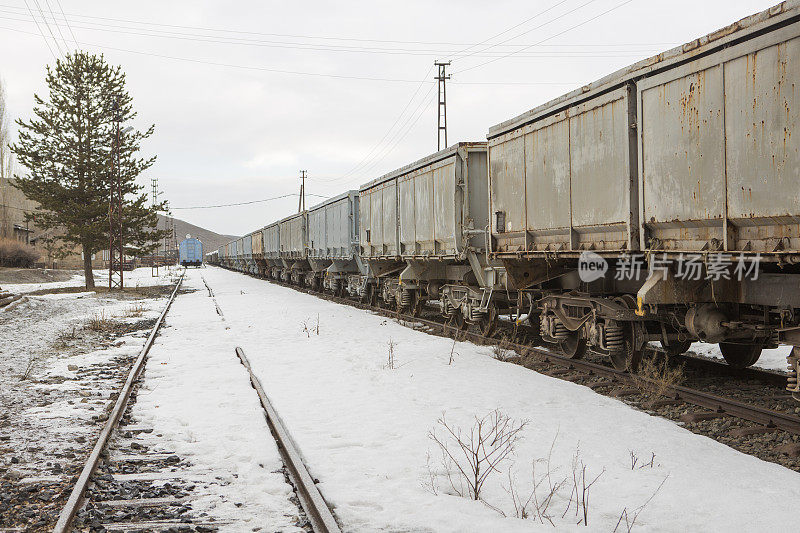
67,150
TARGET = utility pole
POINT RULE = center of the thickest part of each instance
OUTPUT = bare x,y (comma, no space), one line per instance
301,204
441,111
166,232
154,190
115,244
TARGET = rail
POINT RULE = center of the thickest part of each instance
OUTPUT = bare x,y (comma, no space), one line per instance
76,496
317,510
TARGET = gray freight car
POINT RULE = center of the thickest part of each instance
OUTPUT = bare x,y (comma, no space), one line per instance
333,246
423,234
272,251
247,263
294,248
257,246
686,156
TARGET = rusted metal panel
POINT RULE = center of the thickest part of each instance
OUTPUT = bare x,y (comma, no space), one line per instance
271,242
293,237
408,235
332,228
507,191
423,204
547,184
763,153
389,222
364,224
247,246
257,240
719,161
564,183
600,174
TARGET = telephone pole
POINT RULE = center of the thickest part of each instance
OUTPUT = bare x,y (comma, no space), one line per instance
115,229
441,111
301,204
154,191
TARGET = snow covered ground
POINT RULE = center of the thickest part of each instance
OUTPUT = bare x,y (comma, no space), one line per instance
197,398
363,427
139,277
61,357
772,359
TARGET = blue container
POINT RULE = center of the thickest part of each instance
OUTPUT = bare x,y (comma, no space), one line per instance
190,252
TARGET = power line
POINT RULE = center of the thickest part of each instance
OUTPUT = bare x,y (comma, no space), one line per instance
278,71
366,158
56,24
251,201
549,38
13,8
47,25
322,48
40,30
540,13
67,22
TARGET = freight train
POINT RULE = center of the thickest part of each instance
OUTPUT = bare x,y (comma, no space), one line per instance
660,203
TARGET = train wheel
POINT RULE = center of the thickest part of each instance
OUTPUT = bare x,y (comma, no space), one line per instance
573,346
419,304
740,355
629,358
487,324
676,348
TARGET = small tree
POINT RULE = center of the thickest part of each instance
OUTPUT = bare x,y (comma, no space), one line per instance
68,151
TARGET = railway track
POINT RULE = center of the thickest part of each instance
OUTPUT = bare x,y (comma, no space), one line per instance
768,433
125,486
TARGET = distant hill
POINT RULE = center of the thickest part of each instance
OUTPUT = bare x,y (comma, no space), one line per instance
211,241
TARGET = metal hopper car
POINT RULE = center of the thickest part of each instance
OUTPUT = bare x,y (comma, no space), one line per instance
658,204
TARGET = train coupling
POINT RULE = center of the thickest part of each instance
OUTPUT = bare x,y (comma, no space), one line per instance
792,384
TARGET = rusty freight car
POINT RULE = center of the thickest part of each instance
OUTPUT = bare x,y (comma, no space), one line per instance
604,199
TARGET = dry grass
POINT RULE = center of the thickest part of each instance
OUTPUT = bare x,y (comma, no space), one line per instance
14,253
99,322
655,377
502,350
134,310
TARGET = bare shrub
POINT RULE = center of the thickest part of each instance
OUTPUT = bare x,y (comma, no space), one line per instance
64,337
310,327
502,350
390,363
643,464
14,253
99,322
134,310
547,488
655,378
631,517
30,366
469,457
453,352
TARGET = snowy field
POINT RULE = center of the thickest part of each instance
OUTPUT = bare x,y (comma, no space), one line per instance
363,427
62,356
139,277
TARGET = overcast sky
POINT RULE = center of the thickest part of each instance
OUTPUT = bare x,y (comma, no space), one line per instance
231,127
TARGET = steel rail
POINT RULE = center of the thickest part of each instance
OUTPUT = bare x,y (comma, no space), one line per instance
717,404
317,510
76,496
